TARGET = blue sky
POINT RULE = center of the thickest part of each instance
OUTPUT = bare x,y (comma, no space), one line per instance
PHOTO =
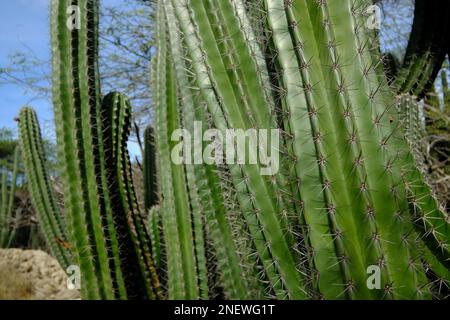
24,26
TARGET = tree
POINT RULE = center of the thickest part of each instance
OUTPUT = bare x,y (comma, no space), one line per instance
126,47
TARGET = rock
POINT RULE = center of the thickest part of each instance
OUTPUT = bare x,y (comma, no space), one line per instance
32,275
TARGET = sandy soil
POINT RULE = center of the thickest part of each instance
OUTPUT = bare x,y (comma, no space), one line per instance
32,274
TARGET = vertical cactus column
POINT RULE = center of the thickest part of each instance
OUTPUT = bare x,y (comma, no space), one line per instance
151,201
134,251
176,216
49,215
83,131
427,48
8,201
4,222
76,100
150,170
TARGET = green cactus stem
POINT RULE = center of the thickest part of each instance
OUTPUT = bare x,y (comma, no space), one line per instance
49,214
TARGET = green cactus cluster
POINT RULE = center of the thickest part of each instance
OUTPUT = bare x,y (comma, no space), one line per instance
350,194
348,197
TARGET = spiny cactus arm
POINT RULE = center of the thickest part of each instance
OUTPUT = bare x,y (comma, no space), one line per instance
376,119
197,211
204,82
180,193
40,187
151,194
427,216
150,171
154,218
312,113
128,192
430,219
198,223
437,268
8,201
76,105
126,275
135,272
427,47
4,224
12,192
199,179
87,91
199,35
231,55
217,223
195,203
344,115
175,273
230,22
252,86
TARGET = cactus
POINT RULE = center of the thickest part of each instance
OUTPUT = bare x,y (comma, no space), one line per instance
349,194
4,213
7,202
39,184
134,249
427,48
358,193
150,170
91,149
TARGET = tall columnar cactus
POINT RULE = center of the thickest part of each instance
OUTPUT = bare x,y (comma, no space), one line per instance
427,47
203,185
150,170
132,235
50,218
151,200
350,195
85,129
7,204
